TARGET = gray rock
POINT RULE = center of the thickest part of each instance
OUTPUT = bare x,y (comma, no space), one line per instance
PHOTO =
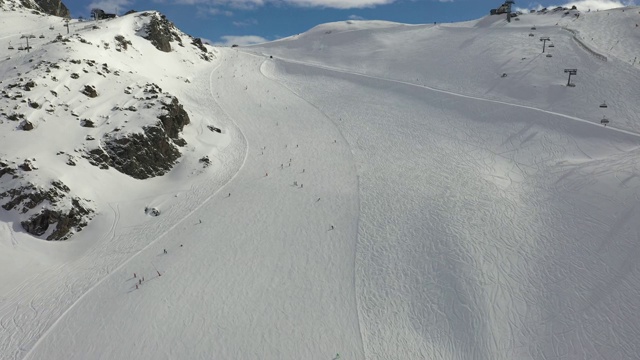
51,7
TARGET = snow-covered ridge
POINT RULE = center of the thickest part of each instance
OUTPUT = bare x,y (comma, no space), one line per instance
84,97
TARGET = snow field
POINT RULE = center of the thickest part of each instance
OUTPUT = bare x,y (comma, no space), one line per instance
461,215
263,275
485,229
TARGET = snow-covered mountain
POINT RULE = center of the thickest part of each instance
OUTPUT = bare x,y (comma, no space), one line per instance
82,95
364,190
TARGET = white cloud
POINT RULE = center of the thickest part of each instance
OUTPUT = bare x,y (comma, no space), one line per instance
203,11
355,17
120,6
252,4
338,4
241,40
245,23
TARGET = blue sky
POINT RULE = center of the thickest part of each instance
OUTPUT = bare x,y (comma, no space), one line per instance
224,22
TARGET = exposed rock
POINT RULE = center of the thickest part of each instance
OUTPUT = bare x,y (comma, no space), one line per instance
148,154
151,211
197,42
205,161
27,165
90,91
6,169
51,7
66,221
175,119
140,156
159,32
69,214
26,125
124,43
87,123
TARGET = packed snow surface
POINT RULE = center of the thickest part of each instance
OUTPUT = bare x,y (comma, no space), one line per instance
383,191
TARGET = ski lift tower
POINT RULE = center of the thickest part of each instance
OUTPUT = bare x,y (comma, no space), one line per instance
544,41
509,3
30,36
571,72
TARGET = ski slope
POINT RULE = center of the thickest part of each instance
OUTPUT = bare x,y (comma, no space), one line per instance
382,193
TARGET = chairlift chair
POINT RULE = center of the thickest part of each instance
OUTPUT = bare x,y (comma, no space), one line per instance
533,28
531,34
41,36
20,48
51,27
551,45
604,105
604,121
548,55
10,47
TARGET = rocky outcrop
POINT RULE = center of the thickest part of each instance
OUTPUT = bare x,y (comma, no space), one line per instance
64,213
148,154
51,7
5,169
90,91
161,32
174,120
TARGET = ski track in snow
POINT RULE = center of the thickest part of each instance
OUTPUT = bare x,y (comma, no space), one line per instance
294,295
513,337
344,71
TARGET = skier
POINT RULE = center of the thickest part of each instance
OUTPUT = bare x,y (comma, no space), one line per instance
134,274
165,251
332,227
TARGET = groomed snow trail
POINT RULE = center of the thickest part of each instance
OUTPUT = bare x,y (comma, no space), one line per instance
265,272
487,231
